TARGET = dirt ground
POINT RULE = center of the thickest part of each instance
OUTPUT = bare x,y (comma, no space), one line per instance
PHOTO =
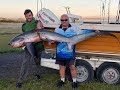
10,64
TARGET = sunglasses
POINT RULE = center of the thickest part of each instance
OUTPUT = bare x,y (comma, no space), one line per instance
64,20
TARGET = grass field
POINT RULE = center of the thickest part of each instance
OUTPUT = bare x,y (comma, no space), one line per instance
7,32
48,82
4,47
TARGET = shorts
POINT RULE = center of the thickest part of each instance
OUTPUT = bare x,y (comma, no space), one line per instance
65,62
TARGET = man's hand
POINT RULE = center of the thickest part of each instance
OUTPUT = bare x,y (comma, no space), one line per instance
23,47
51,42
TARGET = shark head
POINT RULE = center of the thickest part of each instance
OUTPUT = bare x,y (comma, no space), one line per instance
17,42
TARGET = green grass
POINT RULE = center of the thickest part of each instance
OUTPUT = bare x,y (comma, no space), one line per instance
48,82
10,28
4,47
6,34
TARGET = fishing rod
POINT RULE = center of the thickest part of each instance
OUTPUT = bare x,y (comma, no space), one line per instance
109,11
38,4
118,13
102,10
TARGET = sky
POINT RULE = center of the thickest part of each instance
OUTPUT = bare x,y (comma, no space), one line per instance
84,8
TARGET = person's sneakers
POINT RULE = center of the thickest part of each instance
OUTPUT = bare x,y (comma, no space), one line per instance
60,83
37,76
74,84
19,85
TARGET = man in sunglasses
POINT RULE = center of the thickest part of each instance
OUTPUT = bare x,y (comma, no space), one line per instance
64,56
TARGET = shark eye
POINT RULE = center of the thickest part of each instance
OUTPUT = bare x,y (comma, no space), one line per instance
43,33
18,40
21,39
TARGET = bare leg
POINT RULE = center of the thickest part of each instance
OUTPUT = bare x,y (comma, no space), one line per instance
62,71
73,71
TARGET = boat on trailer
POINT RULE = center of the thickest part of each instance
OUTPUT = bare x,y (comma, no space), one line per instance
100,53
51,21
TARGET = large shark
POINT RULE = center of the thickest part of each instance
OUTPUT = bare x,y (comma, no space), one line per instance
42,34
48,36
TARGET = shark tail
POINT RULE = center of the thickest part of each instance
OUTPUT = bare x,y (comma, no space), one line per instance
101,33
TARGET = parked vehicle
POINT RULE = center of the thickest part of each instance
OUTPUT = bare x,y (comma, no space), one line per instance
95,57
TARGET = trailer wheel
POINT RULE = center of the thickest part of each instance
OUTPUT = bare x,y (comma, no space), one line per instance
85,72
109,73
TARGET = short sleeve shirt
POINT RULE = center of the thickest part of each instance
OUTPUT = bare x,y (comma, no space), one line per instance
62,48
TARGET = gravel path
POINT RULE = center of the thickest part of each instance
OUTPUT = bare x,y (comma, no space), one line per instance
10,64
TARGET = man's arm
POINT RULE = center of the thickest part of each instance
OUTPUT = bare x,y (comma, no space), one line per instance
23,27
50,42
39,24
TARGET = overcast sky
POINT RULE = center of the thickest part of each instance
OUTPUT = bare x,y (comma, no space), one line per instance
15,8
